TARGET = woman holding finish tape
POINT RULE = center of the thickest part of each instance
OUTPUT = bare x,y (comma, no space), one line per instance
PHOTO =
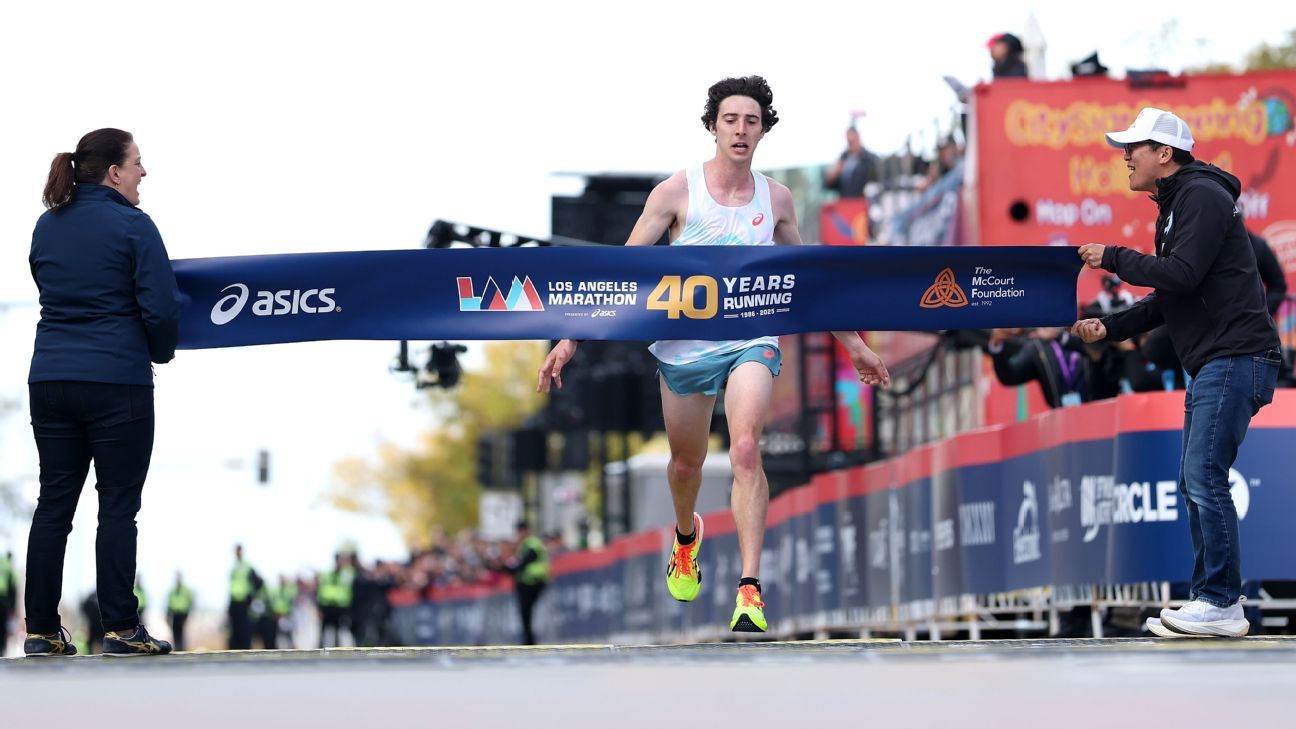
109,308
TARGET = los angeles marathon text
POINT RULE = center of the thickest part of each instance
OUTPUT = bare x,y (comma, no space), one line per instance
593,293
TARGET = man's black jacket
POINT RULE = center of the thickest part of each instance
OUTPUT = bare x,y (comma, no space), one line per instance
1208,292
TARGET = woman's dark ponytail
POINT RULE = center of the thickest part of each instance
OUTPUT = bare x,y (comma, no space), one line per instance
58,188
95,153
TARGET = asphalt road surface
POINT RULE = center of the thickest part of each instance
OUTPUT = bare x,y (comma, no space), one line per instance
1088,683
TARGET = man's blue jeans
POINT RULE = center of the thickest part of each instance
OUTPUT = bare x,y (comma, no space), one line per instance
1218,407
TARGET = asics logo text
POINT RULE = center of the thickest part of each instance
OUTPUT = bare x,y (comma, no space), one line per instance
273,303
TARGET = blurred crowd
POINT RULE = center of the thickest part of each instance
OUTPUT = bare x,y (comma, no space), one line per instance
853,171
351,603
1070,372
347,604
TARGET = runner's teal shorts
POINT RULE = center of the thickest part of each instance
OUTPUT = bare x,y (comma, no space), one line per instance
709,374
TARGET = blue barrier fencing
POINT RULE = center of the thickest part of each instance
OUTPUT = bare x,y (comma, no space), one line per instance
1083,496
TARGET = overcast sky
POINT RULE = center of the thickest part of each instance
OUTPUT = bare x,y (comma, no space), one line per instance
274,127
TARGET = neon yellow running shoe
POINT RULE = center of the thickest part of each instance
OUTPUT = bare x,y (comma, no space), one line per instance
683,573
749,613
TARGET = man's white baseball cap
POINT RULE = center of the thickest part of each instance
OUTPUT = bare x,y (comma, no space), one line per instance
1157,126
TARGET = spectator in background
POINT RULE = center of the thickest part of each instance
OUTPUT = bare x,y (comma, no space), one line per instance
244,585
948,154
1113,297
853,169
1151,363
1275,283
334,596
1271,273
140,595
94,625
553,542
1006,51
385,579
365,593
8,597
264,623
283,601
530,570
179,604
1049,356
1145,363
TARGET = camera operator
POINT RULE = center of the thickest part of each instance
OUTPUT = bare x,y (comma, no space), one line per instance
1051,356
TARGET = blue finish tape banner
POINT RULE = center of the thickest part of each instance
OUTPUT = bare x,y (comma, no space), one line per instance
687,292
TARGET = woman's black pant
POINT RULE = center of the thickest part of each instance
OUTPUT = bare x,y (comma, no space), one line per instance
77,423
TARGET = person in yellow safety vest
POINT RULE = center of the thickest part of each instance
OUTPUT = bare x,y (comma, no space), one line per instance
282,600
8,597
140,596
333,596
263,618
179,604
530,570
243,586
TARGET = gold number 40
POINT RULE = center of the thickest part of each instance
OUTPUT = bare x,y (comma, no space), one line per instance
674,298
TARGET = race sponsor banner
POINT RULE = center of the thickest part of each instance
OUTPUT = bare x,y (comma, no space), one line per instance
879,555
1140,508
914,532
685,292
1079,496
1079,545
947,570
1046,174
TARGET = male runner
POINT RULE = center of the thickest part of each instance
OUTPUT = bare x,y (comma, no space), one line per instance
721,202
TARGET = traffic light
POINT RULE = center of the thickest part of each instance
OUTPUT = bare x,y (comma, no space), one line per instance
263,467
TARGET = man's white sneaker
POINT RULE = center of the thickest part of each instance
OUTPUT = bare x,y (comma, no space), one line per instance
1204,619
1161,631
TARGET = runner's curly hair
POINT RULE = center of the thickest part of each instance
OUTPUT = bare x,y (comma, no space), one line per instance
754,87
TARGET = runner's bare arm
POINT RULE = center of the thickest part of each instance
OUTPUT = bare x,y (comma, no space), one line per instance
665,205
786,232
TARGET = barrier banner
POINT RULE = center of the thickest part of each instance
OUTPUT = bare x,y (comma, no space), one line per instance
946,568
1078,543
934,219
827,542
914,530
610,293
854,537
844,222
879,549
1079,496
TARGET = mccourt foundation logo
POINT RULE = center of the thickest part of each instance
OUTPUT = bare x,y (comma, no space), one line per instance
944,292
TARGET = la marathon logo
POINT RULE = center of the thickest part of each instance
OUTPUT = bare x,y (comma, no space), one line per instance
522,296
944,292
